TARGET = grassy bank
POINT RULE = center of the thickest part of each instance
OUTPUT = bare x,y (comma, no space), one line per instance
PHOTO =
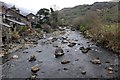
98,21
105,36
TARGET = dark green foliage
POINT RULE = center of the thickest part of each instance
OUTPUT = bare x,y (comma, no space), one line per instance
43,16
54,18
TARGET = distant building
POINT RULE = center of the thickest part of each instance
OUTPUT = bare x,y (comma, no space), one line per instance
10,19
31,18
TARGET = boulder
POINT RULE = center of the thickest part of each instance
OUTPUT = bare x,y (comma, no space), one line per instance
110,69
84,50
59,52
71,44
34,69
64,61
96,61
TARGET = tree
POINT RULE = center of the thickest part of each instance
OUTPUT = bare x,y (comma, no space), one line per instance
43,16
54,18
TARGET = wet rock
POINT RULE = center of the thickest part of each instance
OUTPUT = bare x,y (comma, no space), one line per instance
110,72
84,50
88,42
111,65
64,38
39,51
64,41
96,61
71,44
65,61
55,45
59,52
32,58
25,52
68,51
78,43
15,57
73,29
35,42
65,68
83,72
54,39
110,69
34,69
33,77
81,48
107,62
76,40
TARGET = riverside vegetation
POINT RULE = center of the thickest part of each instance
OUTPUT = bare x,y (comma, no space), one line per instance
98,21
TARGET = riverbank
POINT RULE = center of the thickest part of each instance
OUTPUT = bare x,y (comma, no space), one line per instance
105,37
74,63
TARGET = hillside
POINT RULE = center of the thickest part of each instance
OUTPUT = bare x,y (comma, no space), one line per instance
98,21
106,10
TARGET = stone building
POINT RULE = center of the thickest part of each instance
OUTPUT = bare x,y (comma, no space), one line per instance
10,20
31,18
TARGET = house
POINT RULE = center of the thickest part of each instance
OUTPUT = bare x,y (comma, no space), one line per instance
31,18
14,18
10,20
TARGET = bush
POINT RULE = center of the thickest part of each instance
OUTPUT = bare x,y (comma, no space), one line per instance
23,29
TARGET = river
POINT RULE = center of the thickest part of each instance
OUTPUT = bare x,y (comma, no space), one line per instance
51,67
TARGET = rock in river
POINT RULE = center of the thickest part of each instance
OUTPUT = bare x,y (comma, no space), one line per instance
81,48
83,72
85,50
110,72
32,58
54,39
33,77
59,52
15,57
110,69
35,69
25,52
65,68
71,44
64,41
64,61
96,61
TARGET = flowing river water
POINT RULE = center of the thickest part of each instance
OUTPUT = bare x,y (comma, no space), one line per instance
51,67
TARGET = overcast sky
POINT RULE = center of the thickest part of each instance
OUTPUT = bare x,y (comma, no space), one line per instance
35,5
